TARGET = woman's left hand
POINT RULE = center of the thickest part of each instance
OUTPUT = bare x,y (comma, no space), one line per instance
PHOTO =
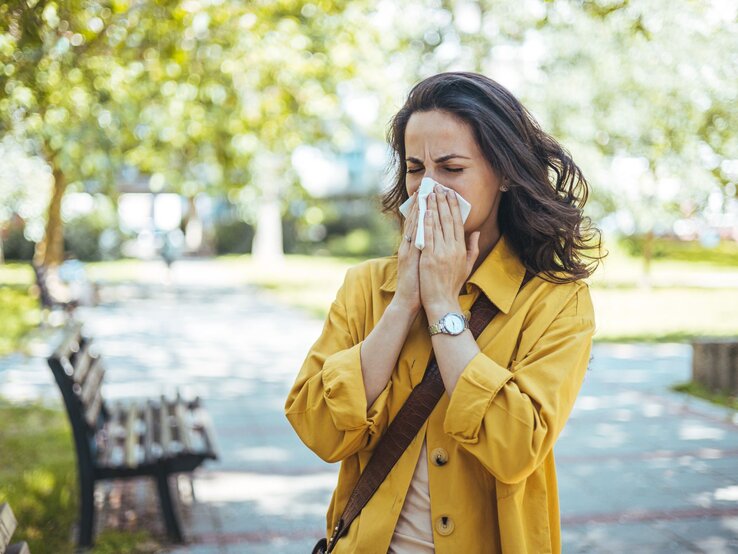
448,256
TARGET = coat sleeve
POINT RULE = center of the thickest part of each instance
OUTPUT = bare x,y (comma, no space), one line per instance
509,419
327,404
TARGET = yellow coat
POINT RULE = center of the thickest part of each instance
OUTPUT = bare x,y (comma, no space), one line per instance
497,491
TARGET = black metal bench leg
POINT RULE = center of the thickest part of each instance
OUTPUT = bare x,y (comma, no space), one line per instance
86,511
174,529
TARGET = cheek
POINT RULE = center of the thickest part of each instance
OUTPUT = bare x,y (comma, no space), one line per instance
482,204
411,185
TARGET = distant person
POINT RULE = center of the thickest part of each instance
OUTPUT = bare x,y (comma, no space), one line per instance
171,249
480,474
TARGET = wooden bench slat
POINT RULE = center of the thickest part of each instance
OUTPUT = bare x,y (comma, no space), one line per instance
18,548
70,338
114,432
131,436
92,383
183,426
8,524
92,413
165,429
83,361
204,427
149,436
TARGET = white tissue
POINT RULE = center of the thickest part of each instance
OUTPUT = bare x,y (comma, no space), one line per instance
426,187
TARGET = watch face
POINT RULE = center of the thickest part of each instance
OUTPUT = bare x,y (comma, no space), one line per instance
453,323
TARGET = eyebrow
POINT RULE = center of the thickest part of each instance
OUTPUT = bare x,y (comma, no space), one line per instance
439,160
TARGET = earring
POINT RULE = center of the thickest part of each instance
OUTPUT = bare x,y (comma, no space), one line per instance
504,188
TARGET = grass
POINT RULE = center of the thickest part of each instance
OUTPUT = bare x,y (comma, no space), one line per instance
19,314
625,311
38,478
699,390
308,283
664,314
675,308
37,475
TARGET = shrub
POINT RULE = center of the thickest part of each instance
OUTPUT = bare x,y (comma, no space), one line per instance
15,244
725,253
233,237
82,237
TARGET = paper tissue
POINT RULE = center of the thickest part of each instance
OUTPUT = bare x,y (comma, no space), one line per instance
426,187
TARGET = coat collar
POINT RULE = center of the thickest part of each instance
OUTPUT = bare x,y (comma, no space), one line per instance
499,276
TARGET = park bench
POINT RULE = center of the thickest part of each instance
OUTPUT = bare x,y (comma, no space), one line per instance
7,528
147,437
51,291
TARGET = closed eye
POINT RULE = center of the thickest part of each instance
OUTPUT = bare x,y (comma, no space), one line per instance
451,169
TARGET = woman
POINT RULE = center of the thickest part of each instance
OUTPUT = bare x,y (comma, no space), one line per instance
479,476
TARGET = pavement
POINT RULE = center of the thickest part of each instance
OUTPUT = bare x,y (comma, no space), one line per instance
641,468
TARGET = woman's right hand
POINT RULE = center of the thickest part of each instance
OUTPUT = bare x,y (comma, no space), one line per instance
407,294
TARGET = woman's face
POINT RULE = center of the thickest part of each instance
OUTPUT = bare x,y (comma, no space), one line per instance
442,147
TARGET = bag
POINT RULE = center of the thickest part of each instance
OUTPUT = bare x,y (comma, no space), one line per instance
321,547
416,409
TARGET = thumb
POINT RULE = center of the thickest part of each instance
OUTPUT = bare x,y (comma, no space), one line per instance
472,249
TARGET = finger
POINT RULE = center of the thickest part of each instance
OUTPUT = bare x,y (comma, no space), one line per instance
444,216
408,226
429,224
458,219
414,231
438,238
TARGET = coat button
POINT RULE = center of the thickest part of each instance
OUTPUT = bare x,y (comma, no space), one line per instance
439,457
444,526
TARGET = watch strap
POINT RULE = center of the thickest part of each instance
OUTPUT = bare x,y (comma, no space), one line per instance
438,327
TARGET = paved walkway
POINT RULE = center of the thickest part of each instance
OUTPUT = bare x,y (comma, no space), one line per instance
641,469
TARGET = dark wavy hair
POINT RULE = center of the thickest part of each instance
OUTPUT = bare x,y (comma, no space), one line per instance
541,214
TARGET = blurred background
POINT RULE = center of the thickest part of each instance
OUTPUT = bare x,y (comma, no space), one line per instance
150,147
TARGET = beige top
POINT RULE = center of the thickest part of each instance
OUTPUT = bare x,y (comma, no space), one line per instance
414,530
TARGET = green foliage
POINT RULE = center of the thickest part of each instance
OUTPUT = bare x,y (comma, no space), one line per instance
19,314
38,478
341,227
233,237
15,244
119,542
700,391
726,253
215,96
82,236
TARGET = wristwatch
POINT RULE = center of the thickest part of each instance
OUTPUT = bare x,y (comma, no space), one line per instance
451,324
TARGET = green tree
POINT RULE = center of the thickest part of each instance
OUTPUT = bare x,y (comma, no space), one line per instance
644,90
54,68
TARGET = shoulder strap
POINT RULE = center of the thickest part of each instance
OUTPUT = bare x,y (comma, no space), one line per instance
407,423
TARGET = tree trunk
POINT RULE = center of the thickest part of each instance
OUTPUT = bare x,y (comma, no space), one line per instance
268,246
193,228
50,251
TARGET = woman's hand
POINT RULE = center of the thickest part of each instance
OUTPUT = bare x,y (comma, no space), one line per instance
448,257
407,294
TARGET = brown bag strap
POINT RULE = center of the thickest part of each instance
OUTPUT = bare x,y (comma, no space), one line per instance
408,421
